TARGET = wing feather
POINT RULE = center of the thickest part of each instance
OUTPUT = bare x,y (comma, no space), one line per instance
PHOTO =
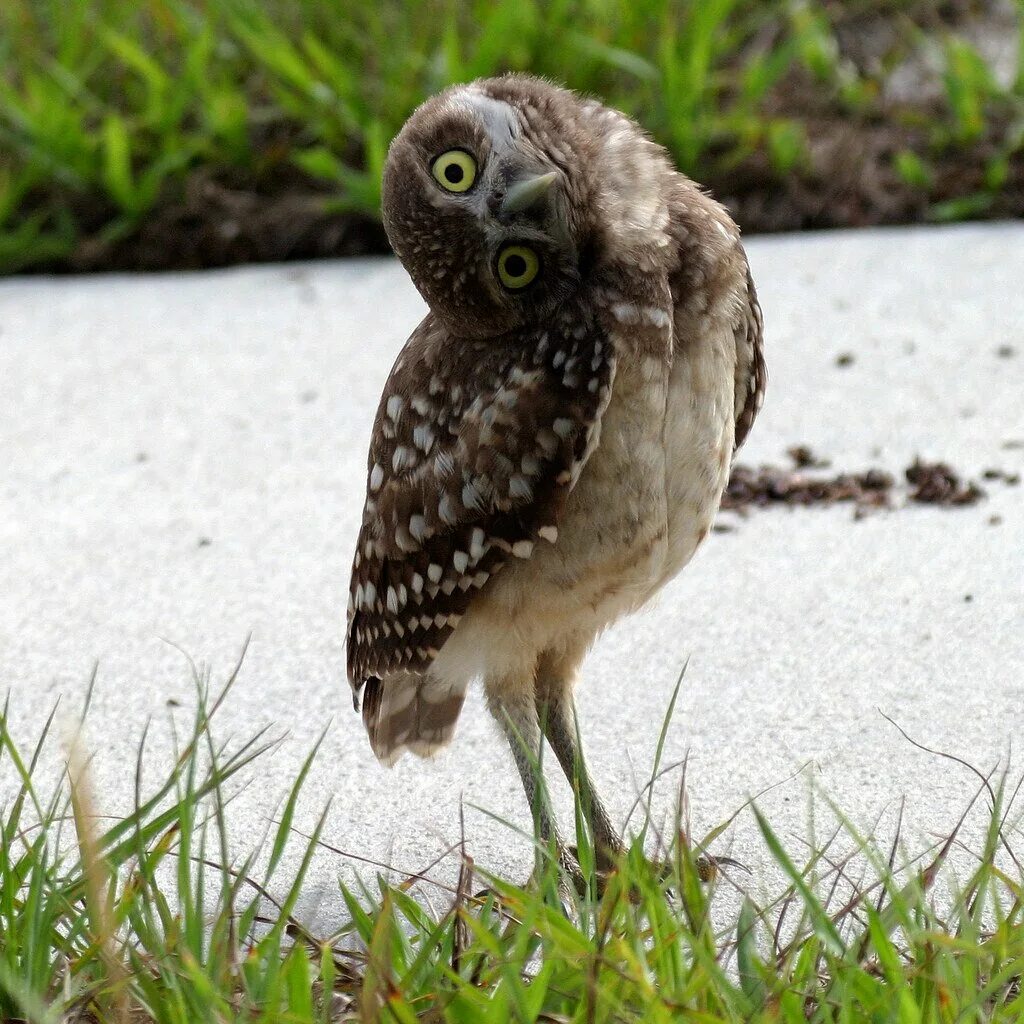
751,371
475,446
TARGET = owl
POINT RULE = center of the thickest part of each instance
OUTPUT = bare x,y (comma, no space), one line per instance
554,438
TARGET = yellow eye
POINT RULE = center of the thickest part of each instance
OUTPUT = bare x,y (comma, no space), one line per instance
518,265
455,170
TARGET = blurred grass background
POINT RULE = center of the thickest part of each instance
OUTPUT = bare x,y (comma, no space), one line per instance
181,133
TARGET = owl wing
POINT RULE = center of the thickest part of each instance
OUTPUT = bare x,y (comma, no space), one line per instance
475,447
751,371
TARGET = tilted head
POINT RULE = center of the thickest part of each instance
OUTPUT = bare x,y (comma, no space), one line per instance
486,202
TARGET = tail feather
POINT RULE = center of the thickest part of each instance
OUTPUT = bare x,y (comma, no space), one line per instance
410,712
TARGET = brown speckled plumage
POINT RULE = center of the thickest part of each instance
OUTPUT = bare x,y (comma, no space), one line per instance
475,449
544,457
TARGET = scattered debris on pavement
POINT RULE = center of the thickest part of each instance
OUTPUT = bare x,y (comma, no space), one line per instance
934,483
926,483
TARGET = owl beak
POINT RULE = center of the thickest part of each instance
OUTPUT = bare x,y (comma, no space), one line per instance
522,195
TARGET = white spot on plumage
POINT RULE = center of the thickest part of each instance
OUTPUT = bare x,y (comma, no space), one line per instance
656,316
418,526
423,437
434,572
562,427
476,544
403,458
470,496
625,313
519,487
446,510
394,407
547,441
522,548
461,561
376,476
392,600
548,533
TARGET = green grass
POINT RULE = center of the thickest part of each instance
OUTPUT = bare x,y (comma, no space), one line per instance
159,916
107,108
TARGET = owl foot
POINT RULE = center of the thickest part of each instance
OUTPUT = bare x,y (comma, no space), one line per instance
570,882
709,869
609,857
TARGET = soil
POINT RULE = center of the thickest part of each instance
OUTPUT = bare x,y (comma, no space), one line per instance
220,220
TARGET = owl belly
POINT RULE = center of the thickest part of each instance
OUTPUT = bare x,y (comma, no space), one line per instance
613,535
643,503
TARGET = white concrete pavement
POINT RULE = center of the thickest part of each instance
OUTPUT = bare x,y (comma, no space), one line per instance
182,457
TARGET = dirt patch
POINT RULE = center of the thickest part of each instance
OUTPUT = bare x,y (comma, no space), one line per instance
217,221
923,483
937,484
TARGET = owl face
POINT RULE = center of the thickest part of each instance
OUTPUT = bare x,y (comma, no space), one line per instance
480,214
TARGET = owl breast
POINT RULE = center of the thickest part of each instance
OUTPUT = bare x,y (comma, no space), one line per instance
649,494
643,503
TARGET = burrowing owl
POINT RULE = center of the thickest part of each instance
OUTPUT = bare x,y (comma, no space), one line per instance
553,441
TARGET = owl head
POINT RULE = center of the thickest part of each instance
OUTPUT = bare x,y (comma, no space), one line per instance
485,203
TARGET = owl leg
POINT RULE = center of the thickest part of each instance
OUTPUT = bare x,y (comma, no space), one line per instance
515,711
557,712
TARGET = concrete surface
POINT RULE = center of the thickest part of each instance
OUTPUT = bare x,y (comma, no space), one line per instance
181,459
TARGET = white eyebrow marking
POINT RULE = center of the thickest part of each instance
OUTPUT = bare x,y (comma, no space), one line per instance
498,118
